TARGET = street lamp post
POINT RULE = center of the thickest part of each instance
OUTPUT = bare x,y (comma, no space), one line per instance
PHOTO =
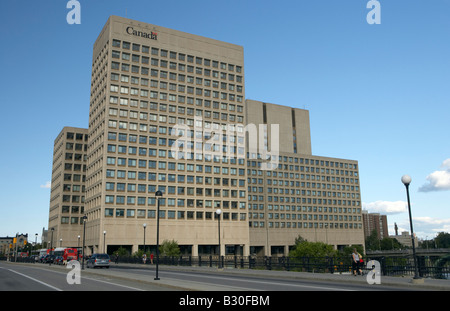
84,240
406,180
157,194
145,226
51,248
35,242
104,242
78,248
218,212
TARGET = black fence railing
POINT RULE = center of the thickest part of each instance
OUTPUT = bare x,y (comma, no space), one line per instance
434,267
390,266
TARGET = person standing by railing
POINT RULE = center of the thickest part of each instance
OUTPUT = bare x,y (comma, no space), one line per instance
356,260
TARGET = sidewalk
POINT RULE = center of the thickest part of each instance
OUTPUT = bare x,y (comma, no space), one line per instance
403,282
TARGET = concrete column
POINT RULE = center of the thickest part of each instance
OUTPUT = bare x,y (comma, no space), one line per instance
195,250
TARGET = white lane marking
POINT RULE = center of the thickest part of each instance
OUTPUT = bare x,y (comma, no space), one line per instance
36,280
133,288
82,277
261,282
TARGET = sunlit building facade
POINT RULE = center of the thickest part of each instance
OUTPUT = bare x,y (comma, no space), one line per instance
168,113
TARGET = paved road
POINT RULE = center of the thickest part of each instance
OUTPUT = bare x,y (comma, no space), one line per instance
222,280
129,277
40,277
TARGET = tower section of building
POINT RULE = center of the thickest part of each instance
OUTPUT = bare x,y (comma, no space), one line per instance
67,195
162,106
293,193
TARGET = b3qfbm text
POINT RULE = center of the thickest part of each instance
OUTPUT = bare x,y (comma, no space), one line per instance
245,300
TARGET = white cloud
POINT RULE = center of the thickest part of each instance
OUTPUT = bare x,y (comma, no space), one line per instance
386,207
438,180
429,224
47,185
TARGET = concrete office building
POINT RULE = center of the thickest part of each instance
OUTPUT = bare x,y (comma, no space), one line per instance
67,195
146,81
168,112
315,197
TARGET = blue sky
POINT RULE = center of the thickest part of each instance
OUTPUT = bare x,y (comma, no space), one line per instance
378,94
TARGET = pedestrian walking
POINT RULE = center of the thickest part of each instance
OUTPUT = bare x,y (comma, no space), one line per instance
356,262
144,258
151,258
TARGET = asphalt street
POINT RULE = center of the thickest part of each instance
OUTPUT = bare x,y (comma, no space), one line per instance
129,277
40,277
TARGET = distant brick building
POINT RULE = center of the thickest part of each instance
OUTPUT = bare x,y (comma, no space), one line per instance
375,221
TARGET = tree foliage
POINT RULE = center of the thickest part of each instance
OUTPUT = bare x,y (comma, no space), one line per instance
442,240
169,248
304,248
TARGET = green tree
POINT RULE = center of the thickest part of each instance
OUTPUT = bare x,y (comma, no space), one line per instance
304,248
372,241
169,248
442,240
390,243
121,251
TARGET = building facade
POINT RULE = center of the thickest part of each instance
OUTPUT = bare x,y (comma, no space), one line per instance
377,222
315,197
155,90
168,113
67,194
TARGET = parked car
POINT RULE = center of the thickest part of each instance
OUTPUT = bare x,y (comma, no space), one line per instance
59,260
49,259
98,260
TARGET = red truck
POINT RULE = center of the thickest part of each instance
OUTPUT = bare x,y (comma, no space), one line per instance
67,254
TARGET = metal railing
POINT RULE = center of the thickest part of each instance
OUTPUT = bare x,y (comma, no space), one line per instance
390,266
434,267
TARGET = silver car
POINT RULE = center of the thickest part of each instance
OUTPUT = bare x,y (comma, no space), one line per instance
98,260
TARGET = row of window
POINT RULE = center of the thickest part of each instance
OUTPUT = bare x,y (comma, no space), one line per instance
151,201
145,93
179,190
172,166
73,198
181,109
124,113
162,177
174,55
78,147
181,88
145,60
162,141
316,162
288,217
305,209
74,167
72,209
303,200
77,136
198,215
305,225
171,214
208,155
